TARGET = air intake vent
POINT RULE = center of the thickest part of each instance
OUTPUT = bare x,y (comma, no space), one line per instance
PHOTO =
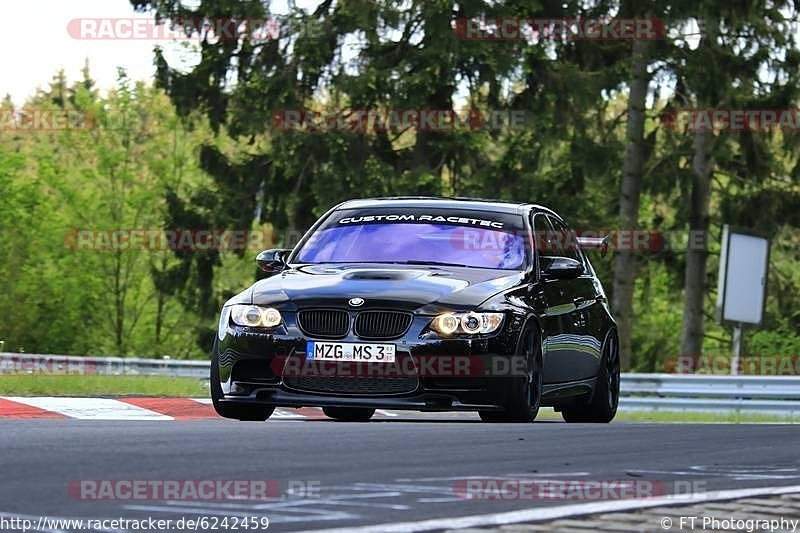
324,323
376,386
381,275
381,324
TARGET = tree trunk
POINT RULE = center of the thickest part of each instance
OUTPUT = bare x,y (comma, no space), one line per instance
695,275
625,261
160,301
119,305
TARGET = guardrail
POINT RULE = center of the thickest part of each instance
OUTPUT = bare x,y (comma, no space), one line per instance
779,395
46,364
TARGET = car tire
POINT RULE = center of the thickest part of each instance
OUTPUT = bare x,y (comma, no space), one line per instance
602,407
349,414
525,393
254,412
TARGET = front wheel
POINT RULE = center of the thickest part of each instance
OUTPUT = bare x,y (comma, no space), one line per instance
254,412
603,406
525,392
349,414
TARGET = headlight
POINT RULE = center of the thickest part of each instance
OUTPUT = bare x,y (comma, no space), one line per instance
255,316
224,317
471,323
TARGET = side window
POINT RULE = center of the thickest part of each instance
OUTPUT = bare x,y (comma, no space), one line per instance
564,241
542,235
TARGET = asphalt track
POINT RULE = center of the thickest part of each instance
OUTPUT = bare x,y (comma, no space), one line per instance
395,470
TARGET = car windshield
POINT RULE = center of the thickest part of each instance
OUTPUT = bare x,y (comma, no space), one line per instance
415,243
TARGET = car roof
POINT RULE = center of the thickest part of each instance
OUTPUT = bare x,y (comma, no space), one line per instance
477,204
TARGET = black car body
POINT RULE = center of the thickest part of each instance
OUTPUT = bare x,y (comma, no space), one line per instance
490,285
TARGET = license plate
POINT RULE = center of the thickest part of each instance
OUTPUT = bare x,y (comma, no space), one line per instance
349,351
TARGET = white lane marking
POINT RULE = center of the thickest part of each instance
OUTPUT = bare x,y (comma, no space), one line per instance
351,503
561,511
290,505
287,414
92,408
504,476
739,474
545,475
345,498
280,511
377,488
206,401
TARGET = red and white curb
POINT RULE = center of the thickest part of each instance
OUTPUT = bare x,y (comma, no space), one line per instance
134,408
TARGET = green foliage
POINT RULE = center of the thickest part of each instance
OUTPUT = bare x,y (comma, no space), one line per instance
199,150
65,297
658,311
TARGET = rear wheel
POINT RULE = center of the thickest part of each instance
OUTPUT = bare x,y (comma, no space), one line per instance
603,406
254,412
349,414
525,395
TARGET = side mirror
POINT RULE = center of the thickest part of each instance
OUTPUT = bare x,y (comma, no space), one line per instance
594,243
272,261
561,267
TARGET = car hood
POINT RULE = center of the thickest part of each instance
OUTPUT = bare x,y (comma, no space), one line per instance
422,288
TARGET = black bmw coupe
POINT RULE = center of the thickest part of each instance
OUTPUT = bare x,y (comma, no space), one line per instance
428,304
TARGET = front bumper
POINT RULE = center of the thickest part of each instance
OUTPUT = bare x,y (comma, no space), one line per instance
255,367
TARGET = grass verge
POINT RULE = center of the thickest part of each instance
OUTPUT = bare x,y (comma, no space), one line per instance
683,417
702,416
95,385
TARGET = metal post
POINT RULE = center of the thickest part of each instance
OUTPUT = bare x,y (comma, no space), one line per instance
737,349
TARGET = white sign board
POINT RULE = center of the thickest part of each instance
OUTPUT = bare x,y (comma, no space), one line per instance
742,287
